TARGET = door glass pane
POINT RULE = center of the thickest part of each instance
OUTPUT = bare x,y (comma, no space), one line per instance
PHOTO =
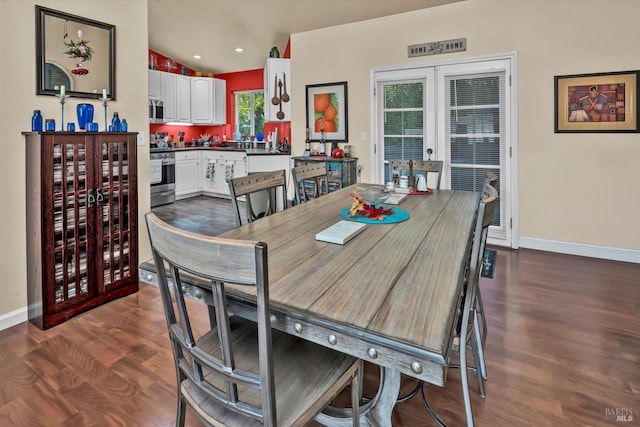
403,124
475,117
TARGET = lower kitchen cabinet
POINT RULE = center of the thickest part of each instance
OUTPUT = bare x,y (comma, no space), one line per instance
82,236
207,171
218,167
187,174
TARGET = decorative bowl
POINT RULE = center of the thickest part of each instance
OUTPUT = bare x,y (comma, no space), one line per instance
374,195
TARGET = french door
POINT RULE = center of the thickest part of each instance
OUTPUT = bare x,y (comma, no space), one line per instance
458,113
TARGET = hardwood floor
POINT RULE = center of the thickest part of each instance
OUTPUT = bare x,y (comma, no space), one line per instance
563,349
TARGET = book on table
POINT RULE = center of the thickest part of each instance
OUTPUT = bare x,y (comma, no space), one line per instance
395,198
340,232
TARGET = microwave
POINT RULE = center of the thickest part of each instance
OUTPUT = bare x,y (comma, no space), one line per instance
156,111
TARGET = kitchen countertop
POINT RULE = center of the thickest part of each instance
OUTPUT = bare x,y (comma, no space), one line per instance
249,151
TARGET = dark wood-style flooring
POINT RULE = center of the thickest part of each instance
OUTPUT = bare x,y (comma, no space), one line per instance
563,349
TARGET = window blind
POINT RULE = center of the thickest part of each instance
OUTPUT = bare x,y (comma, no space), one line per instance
402,120
475,129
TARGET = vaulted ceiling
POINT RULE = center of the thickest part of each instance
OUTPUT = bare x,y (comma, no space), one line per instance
214,28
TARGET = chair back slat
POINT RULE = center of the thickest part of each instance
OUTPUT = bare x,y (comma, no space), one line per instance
310,175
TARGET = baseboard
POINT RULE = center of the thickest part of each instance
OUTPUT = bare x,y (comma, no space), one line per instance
580,249
13,318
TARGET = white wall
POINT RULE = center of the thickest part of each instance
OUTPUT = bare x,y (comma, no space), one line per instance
578,188
18,100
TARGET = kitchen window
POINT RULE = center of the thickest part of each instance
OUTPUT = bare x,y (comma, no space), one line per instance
250,112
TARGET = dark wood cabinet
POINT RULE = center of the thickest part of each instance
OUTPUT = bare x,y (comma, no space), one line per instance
82,243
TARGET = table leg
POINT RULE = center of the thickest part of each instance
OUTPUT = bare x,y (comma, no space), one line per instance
376,412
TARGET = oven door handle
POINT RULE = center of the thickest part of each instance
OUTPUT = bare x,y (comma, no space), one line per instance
168,162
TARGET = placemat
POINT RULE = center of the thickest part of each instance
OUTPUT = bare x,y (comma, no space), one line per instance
417,193
397,215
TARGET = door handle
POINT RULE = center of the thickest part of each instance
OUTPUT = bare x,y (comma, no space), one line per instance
91,199
99,197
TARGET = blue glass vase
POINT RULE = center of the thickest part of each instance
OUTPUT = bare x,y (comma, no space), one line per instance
85,114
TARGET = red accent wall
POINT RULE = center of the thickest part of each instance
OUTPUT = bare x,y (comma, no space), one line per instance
236,81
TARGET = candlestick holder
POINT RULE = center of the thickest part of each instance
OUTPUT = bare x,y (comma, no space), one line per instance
105,103
63,100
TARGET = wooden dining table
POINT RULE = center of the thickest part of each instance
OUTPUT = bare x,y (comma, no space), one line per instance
389,296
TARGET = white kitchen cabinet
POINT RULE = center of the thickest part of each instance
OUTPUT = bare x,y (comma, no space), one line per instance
155,91
220,101
208,100
209,179
266,163
168,88
277,70
183,98
217,167
187,173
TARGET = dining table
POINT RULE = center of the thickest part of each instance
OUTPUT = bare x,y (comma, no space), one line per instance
391,295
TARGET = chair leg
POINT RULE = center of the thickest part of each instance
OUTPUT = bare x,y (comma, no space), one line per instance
355,396
481,309
182,409
465,385
476,347
482,367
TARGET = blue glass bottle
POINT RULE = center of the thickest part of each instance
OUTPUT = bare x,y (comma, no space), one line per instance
36,121
124,126
115,123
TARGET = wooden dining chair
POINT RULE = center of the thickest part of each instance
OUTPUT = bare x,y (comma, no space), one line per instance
232,371
474,338
267,187
490,199
421,166
311,181
466,337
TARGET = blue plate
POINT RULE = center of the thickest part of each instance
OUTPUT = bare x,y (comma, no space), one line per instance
397,215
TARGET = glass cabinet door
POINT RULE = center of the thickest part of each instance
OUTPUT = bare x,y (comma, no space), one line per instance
115,257
68,221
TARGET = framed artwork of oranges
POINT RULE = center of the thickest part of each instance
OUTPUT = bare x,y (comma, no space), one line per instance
602,102
327,111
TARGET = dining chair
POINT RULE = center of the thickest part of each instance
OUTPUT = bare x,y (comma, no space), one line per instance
310,176
490,199
466,337
426,166
266,187
238,372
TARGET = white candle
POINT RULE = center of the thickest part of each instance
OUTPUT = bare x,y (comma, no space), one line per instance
104,94
62,90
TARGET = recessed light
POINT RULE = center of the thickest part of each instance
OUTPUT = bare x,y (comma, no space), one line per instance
239,50
197,57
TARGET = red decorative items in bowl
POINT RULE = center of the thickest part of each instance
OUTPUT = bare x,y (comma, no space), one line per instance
365,201
337,153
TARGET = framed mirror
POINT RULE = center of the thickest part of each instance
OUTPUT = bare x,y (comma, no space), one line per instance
76,52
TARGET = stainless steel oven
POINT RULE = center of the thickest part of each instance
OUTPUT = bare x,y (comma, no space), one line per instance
163,177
